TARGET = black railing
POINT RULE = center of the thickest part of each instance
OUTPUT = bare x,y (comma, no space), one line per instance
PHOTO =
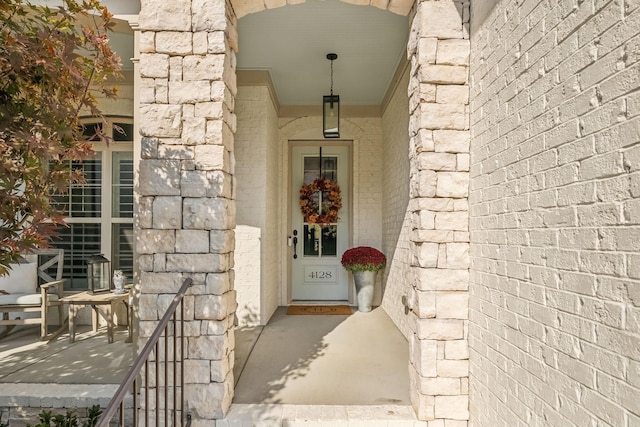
170,407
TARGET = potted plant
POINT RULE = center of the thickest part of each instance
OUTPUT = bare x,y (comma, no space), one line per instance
364,262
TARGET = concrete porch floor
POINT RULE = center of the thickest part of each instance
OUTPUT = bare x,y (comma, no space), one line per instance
304,369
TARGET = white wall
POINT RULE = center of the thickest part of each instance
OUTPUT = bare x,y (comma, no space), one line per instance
257,175
555,217
396,219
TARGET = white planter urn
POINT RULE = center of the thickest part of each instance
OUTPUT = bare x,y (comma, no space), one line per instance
365,281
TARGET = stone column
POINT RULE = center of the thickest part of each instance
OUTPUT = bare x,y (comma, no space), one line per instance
186,208
439,169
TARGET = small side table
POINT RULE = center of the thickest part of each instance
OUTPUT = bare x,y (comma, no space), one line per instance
105,301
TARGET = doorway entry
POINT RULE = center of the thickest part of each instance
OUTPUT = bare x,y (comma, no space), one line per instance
316,272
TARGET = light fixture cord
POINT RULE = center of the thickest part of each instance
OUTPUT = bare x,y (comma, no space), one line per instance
332,78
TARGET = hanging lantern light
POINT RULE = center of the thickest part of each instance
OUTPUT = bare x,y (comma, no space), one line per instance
98,274
331,108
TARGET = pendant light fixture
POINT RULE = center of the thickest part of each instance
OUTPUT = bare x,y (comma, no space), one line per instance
331,108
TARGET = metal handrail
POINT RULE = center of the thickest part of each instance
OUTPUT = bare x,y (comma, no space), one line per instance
142,360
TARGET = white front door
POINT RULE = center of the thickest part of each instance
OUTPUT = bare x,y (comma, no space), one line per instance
316,270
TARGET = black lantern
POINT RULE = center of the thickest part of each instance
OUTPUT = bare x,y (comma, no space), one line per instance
98,274
331,108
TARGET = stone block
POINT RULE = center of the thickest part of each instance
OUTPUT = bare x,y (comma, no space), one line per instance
453,368
149,241
148,307
167,212
426,254
181,92
197,371
165,15
451,141
203,67
443,74
219,283
452,407
211,157
209,15
453,52
219,184
211,307
159,178
452,305
197,263
208,401
453,184
147,41
456,350
424,356
144,211
437,161
457,255
426,184
425,304
452,221
439,329
400,7
210,110
217,41
427,48
161,120
430,279
208,214
207,347
192,241
440,19
452,94
442,116
440,386
423,220
156,283
154,65
424,140
222,241
194,129
174,42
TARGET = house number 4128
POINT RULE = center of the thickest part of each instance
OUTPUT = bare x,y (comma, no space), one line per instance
320,275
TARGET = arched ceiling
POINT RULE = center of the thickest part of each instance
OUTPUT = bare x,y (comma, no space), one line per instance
291,42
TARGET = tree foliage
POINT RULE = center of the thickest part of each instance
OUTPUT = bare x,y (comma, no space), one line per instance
54,65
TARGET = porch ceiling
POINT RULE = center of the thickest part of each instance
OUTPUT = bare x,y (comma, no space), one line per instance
291,42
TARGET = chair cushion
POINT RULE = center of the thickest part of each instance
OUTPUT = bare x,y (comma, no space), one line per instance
22,278
25,299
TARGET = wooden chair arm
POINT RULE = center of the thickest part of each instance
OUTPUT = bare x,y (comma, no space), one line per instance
57,284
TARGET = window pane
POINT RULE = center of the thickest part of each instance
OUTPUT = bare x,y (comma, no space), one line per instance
79,241
83,200
90,132
123,132
329,242
122,206
310,239
123,249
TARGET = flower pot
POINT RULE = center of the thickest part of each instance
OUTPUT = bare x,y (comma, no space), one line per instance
365,281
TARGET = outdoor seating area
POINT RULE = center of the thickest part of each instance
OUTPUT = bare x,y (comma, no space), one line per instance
19,293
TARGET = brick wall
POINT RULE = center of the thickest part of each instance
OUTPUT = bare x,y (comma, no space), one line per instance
555,217
258,154
396,220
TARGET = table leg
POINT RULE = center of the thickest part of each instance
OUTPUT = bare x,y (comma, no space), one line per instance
73,312
109,316
129,325
95,318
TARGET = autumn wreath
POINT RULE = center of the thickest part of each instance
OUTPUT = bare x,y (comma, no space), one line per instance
331,203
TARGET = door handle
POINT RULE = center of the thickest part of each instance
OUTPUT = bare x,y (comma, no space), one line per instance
295,244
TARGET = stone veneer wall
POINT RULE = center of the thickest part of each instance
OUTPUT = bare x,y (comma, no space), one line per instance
439,163
185,210
555,214
396,219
